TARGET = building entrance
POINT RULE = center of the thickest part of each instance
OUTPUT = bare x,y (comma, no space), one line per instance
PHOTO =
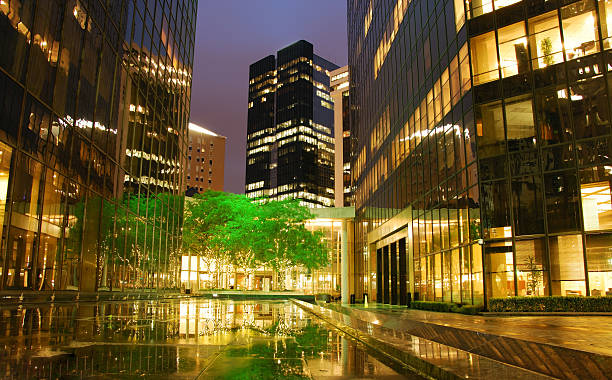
392,273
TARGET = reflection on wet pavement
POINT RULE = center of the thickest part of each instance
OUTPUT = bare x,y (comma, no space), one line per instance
179,339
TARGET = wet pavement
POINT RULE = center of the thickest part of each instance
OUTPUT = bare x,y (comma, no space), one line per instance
583,333
483,346
181,339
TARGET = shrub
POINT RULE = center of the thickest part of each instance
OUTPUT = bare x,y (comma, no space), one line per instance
551,304
446,307
470,309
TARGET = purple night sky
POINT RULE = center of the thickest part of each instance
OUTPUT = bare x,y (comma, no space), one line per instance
232,34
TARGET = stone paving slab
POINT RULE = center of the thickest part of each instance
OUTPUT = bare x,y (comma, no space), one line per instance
432,359
562,347
583,333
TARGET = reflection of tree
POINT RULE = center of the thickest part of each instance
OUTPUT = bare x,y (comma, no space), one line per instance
272,357
132,233
534,275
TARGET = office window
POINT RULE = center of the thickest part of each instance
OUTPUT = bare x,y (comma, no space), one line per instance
552,111
562,201
596,198
459,14
579,24
589,105
605,18
513,55
496,210
446,92
500,268
532,274
599,261
490,129
454,80
484,58
545,40
480,7
464,66
477,275
519,123
528,205
567,265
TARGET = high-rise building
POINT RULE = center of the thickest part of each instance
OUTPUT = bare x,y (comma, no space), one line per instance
290,127
342,137
94,105
483,160
205,160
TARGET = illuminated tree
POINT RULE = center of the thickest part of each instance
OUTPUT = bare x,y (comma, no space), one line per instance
248,234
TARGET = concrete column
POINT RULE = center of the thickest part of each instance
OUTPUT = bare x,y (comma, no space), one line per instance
344,261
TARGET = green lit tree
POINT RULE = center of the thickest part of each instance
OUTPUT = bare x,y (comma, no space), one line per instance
249,234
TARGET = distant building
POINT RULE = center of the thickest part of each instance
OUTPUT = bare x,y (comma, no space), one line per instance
290,147
205,160
342,137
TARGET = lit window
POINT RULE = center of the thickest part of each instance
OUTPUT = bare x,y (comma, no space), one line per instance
579,29
484,58
545,40
513,50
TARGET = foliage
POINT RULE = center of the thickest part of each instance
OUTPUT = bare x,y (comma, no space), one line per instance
546,46
233,229
534,275
446,307
551,304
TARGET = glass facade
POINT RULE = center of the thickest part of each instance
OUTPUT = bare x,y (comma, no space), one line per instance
483,138
290,146
94,104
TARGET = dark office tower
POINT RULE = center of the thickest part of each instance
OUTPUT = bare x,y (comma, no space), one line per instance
290,127
94,103
261,128
484,146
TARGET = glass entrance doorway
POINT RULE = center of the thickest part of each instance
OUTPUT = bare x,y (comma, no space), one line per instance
392,273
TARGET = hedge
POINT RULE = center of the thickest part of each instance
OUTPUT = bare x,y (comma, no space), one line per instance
446,307
551,304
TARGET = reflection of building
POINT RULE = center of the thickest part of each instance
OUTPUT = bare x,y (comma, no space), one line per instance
92,130
205,160
483,161
342,137
290,127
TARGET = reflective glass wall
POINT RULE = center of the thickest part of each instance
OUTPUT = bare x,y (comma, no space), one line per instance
94,100
543,130
483,132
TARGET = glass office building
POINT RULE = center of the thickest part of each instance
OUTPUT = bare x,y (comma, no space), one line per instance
483,162
290,145
94,104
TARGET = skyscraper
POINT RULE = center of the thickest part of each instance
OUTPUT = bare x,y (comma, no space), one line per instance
342,137
483,161
290,127
94,104
205,160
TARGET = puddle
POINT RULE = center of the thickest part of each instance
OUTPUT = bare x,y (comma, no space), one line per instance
180,339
